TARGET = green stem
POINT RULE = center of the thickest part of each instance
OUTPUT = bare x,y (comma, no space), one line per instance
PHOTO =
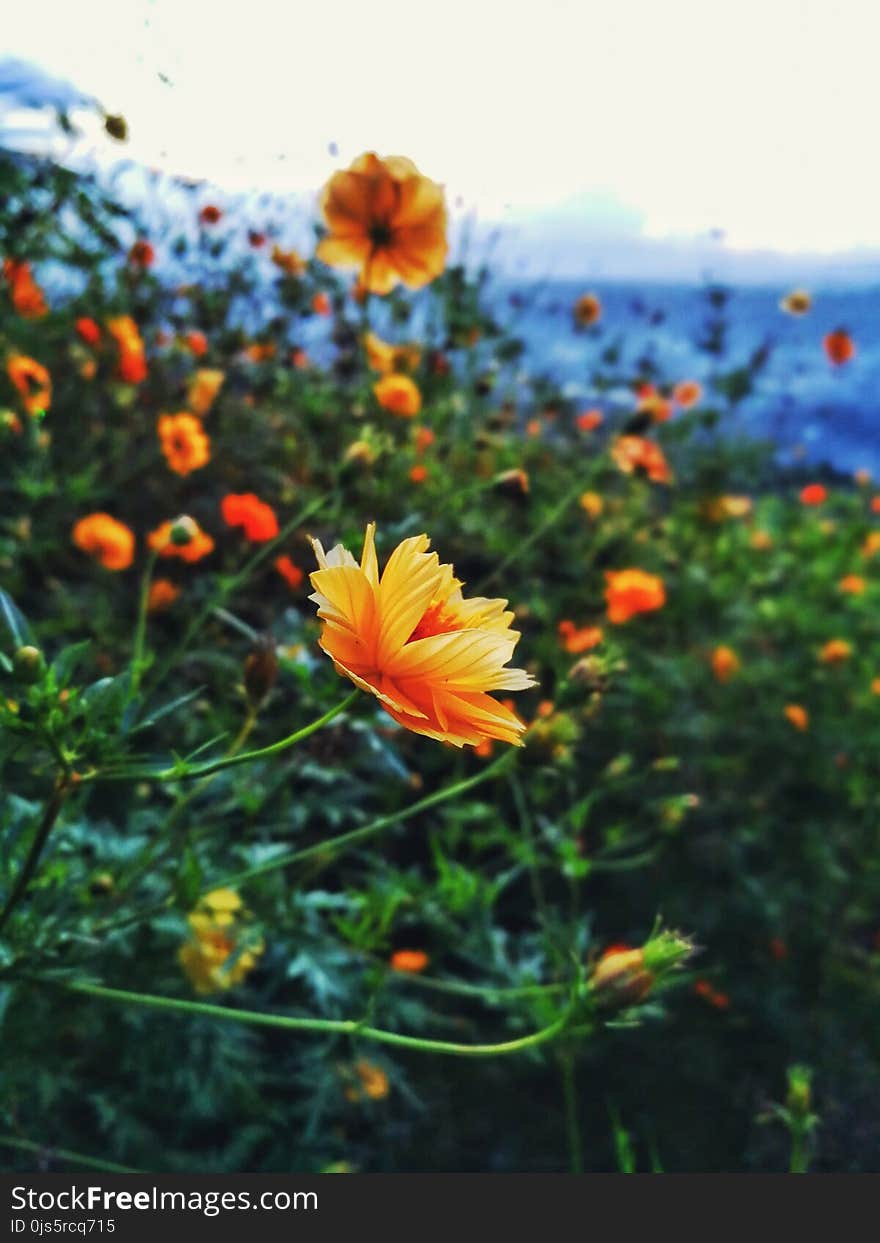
50,815
340,1027
65,1154
186,772
572,1124
333,844
137,657
537,534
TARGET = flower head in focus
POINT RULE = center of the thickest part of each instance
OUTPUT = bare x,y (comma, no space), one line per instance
411,639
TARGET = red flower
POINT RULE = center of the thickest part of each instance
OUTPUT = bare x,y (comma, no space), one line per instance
210,214
290,572
814,494
141,255
254,516
256,239
839,347
321,304
88,330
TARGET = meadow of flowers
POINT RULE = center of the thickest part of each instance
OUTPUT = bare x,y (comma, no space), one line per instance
404,768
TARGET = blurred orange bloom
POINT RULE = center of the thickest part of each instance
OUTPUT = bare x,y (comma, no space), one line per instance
372,1081
27,296
761,539
162,595
88,330
210,214
591,503
184,442
398,394
589,420
321,304
387,221
202,389
423,438
652,402
875,504
260,351
725,663
411,639
534,427
290,262
108,541
385,358
132,364
839,346
291,573
798,302
183,538
32,381
719,1000
513,482
629,592
797,716
814,494
871,544
246,510
687,393
576,639
862,477
196,343
587,310
835,651
852,584
634,453
141,255
409,960
418,473
875,686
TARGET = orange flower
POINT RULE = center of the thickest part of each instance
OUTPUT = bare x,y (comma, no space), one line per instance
621,977
210,214
634,453
652,402
141,255
871,544
852,584
398,394
387,221
875,686
589,420
27,296
202,390
418,473
798,302
162,595
196,343
576,640
587,310
687,393
184,442
839,346
725,663
412,961
423,438
410,638
291,573
814,494
32,381
591,503
290,262
131,365
105,539
762,540
321,304
797,716
88,330
629,592
246,510
384,357
534,427
182,538
260,351
372,1083
513,482
875,504
835,652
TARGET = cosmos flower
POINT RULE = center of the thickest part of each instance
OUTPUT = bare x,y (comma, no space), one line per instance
131,365
587,310
410,638
255,517
411,961
32,381
27,296
386,221
725,663
105,539
399,395
839,347
628,592
184,443
202,389
797,716
633,454
798,302
183,538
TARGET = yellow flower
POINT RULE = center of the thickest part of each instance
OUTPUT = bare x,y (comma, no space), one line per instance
725,663
592,503
410,638
386,221
398,394
221,951
835,651
202,390
385,357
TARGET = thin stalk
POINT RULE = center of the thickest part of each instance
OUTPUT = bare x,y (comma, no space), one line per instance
341,1027
137,657
65,1154
50,815
572,1123
186,772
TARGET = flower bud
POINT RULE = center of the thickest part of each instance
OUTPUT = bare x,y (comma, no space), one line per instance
28,664
116,126
620,977
261,670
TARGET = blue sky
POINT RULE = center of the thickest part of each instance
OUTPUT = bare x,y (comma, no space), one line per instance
637,120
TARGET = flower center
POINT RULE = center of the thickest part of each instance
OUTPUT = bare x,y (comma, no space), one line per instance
380,236
435,620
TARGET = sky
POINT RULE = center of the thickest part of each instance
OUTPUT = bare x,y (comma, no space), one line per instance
649,119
